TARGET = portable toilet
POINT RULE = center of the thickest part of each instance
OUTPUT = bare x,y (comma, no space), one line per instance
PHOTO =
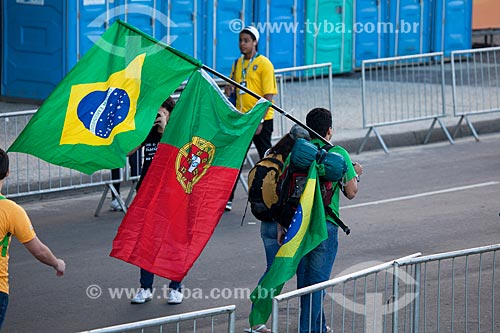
182,29
222,22
34,47
281,28
174,22
452,28
370,15
328,33
410,22
44,39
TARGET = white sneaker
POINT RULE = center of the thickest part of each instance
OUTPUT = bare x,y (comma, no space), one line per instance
229,206
175,297
142,296
115,205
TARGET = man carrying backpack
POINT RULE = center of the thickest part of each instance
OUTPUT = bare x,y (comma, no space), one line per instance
316,266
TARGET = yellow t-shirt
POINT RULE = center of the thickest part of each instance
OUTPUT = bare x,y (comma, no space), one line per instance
259,78
13,219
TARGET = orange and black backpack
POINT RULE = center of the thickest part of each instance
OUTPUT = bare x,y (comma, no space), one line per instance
262,181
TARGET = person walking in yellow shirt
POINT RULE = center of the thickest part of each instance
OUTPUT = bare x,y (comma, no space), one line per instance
255,72
15,222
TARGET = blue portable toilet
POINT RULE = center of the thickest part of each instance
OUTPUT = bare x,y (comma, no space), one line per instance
452,26
368,44
222,22
34,46
141,14
281,27
44,39
411,24
87,21
182,27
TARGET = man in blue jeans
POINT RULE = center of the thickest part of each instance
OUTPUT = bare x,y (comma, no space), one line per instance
316,266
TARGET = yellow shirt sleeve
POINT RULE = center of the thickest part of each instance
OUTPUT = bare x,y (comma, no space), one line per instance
21,225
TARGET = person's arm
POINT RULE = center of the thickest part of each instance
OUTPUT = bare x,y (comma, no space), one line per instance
269,97
41,252
351,188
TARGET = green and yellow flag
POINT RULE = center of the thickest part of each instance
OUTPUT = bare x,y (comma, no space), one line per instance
306,232
107,103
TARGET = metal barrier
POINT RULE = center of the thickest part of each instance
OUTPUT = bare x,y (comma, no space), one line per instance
173,323
348,312
299,90
30,175
453,291
403,90
476,84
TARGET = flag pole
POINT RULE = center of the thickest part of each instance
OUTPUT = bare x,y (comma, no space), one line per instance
251,93
223,77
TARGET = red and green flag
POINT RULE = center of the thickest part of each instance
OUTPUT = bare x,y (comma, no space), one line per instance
107,103
187,186
305,233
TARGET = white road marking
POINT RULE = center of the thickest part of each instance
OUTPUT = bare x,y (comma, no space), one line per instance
420,195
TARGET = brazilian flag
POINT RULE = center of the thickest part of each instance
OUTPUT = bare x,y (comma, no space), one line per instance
306,232
106,105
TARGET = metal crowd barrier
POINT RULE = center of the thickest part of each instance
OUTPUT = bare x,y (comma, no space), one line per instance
454,292
176,323
370,286
476,84
451,292
402,90
299,90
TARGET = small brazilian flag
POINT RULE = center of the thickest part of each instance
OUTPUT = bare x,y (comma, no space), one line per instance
106,105
306,232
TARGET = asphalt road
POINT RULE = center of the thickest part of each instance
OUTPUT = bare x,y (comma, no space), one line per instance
418,219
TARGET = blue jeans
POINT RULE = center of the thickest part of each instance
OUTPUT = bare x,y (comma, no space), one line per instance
4,301
269,235
147,281
314,268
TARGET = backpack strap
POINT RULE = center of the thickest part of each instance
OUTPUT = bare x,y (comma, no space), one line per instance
234,68
334,216
338,221
5,241
258,185
274,160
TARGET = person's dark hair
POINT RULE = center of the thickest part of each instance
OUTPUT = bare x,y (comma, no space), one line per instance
168,104
4,164
319,120
283,147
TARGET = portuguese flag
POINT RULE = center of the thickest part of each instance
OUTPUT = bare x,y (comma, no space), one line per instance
106,105
189,182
